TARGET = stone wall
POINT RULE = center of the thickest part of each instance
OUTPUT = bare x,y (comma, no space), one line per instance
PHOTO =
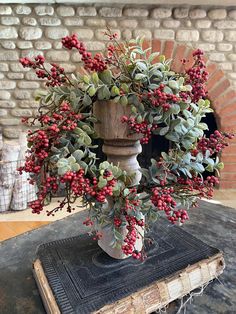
27,30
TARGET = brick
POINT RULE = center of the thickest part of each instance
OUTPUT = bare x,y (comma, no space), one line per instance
232,56
57,45
5,10
3,112
230,35
232,76
100,34
112,23
143,32
58,56
110,12
171,23
31,76
30,33
49,21
22,94
224,47
181,13
21,112
7,84
227,185
217,14
217,56
219,89
85,33
129,23
17,67
86,11
8,44
232,14
168,49
69,68
187,35
206,47
4,95
135,12
44,10
226,66
24,104
225,99
212,35
4,67
164,34
11,133
73,21
65,11
197,14
8,32
156,46
10,20
179,53
2,75
29,21
127,34
75,57
28,85
8,122
15,76
161,13
95,22
95,45
23,10
203,24
56,32
42,45
149,24
225,24
31,53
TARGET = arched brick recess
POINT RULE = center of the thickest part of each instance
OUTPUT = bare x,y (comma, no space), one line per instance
223,101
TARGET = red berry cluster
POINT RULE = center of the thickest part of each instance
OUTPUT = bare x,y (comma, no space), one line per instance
159,98
129,247
56,75
197,77
96,63
179,215
204,187
140,128
215,143
117,222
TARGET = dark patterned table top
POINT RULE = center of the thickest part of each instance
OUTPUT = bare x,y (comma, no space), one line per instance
213,224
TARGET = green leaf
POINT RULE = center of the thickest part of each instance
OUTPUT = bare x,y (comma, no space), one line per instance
86,79
124,87
123,100
140,77
126,192
142,66
62,170
78,154
71,160
167,90
92,90
104,93
175,108
75,167
95,78
106,76
115,91
87,100
164,131
102,182
173,84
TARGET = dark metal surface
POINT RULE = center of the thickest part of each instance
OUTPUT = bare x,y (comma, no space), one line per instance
214,224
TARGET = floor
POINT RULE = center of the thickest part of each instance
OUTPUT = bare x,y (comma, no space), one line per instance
15,223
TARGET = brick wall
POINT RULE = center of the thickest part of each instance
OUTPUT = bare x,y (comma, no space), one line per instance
27,30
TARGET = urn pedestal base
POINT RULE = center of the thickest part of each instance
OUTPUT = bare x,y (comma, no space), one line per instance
75,276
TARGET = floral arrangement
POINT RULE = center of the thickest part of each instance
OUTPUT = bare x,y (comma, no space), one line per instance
61,144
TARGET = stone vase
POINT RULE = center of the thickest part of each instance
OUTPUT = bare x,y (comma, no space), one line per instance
121,148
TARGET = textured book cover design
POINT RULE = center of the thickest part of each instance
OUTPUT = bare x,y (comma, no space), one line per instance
83,279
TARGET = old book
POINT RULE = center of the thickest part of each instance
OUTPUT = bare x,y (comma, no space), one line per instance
75,276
